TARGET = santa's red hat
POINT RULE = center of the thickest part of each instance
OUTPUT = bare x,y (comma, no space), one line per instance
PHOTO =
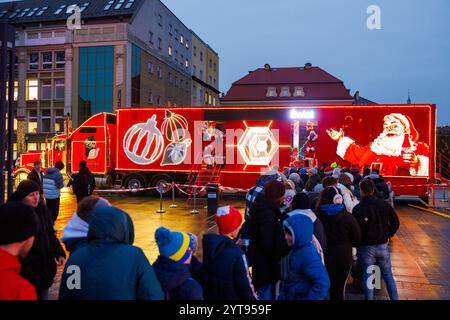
228,219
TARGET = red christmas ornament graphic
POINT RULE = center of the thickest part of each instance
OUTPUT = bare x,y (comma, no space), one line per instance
143,143
174,127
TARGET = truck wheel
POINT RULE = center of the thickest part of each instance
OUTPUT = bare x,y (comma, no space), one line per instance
135,181
160,179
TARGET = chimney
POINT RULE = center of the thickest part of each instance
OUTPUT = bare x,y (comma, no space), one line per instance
356,96
267,67
308,65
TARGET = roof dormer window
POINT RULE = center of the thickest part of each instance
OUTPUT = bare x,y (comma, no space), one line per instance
285,92
299,92
271,92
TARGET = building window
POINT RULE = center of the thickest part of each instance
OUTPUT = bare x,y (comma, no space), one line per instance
32,35
271,92
181,39
176,55
194,70
95,81
201,55
150,97
170,51
46,120
170,29
150,67
215,66
210,63
16,90
215,82
209,99
170,77
47,60
32,121
159,71
299,92
46,89
187,44
34,61
200,94
186,63
158,100
59,89
206,97
201,74
159,43
194,93
59,120
285,92
195,51
150,37
60,59
214,101
176,81
176,34
210,80
32,90
160,20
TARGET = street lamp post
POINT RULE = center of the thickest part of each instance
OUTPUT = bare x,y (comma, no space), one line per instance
7,43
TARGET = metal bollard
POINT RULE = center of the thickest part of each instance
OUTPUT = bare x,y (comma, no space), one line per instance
194,210
161,210
173,205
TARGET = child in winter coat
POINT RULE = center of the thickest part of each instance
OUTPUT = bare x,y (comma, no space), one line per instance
304,276
172,265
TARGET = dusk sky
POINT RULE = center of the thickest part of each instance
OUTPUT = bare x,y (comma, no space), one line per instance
410,52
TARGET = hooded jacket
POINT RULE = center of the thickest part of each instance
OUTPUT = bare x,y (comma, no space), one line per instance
52,182
267,243
12,285
176,280
111,268
343,233
304,276
75,233
319,231
225,273
83,183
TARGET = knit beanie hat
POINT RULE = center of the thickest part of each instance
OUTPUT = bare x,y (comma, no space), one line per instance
301,201
24,188
228,219
174,245
313,171
274,190
18,222
303,171
336,172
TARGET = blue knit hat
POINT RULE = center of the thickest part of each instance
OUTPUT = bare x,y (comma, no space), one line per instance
174,245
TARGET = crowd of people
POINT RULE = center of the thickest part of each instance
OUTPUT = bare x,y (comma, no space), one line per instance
299,238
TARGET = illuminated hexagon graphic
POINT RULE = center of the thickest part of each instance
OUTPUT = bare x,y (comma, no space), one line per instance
257,146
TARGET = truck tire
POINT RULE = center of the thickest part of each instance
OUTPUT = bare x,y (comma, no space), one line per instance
158,179
135,181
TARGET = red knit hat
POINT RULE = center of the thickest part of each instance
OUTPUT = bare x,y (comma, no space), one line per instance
228,219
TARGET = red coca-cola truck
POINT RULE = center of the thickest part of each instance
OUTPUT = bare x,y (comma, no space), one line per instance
140,147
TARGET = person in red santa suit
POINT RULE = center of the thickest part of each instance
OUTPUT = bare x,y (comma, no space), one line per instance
396,151
310,145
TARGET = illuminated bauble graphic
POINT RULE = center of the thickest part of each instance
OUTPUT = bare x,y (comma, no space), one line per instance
174,127
175,152
257,146
143,143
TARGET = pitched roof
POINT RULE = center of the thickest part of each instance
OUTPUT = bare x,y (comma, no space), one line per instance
29,11
317,85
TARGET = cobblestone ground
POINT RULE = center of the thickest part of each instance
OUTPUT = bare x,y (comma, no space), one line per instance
419,251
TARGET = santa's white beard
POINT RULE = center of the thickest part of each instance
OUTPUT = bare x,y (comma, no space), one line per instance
388,145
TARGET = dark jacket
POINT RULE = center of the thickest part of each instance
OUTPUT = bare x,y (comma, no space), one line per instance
38,178
176,280
343,233
304,276
111,267
83,183
267,243
225,270
39,266
377,219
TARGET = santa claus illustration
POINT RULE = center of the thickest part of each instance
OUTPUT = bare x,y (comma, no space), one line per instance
396,151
